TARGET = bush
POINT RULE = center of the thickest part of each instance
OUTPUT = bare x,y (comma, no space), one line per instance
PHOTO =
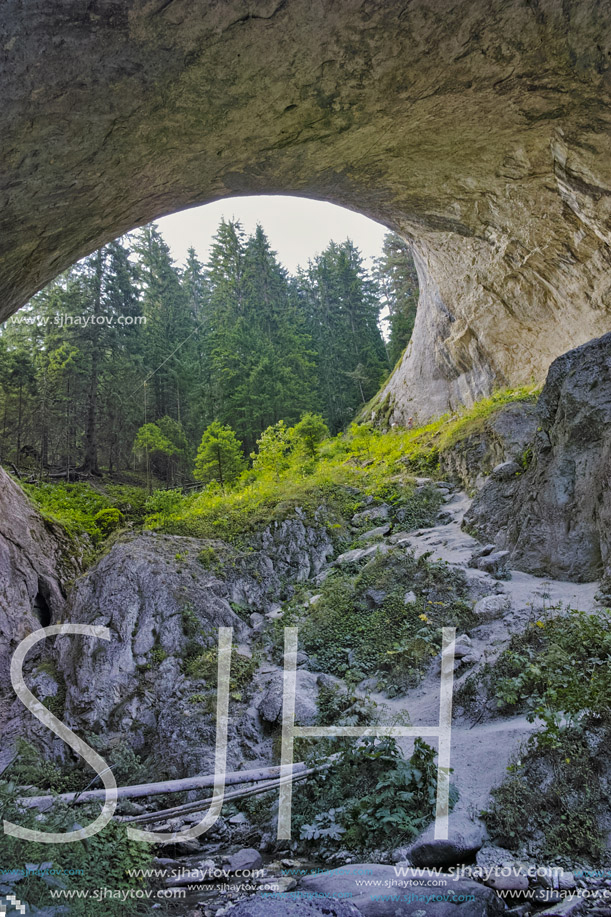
552,804
103,860
353,638
109,520
558,670
370,798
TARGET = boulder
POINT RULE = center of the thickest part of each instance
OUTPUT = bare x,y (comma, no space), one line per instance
555,517
371,514
306,697
464,839
246,859
501,440
376,533
492,606
287,905
506,470
356,555
388,891
495,564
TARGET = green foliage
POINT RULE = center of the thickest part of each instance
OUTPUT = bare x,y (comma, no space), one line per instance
74,506
273,448
558,670
219,457
310,431
371,798
205,666
150,439
362,460
208,558
109,520
164,502
398,283
350,636
101,861
551,804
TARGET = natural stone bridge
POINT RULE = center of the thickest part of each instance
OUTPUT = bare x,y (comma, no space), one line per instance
479,129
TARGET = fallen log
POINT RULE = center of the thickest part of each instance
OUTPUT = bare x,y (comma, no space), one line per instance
191,807
157,789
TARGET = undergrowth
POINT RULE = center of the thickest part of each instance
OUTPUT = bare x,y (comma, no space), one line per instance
362,626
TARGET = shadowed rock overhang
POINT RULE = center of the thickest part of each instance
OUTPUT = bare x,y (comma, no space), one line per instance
480,130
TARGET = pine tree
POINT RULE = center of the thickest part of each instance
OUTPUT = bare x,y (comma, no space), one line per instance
219,457
341,305
398,283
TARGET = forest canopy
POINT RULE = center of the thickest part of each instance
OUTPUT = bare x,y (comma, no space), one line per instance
128,358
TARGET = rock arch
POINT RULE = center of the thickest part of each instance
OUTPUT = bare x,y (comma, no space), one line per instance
478,129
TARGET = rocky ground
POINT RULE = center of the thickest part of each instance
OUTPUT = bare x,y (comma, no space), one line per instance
505,602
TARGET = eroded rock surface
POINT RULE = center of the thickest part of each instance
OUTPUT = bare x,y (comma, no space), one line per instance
478,130
163,600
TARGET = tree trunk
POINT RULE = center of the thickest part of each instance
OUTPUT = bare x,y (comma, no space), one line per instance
90,463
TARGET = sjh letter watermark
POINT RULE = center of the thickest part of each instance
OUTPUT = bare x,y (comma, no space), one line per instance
290,732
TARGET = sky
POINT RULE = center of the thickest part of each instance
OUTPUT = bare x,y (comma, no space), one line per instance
297,228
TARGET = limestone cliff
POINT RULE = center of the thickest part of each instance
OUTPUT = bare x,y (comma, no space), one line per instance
479,130
35,563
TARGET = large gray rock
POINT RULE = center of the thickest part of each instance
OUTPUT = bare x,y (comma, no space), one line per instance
555,518
388,891
160,612
501,438
246,859
464,839
306,697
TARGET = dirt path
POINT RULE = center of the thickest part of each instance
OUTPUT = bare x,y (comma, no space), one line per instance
482,751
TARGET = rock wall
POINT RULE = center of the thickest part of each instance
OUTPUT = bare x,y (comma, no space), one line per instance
555,517
36,561
163,601
479,130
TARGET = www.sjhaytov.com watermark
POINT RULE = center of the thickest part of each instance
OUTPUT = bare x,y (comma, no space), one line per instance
64,320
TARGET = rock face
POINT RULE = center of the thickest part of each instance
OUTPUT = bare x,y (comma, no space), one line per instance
35,560
555,518
480,131
502,438
163,607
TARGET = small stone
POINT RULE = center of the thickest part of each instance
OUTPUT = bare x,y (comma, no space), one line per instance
239,819
375,597
369,515
357,554
495,563
410,597
378,532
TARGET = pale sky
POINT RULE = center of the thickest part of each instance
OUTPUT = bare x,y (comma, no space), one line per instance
296,227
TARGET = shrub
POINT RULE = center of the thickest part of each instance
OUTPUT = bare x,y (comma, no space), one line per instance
109,520
370,798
